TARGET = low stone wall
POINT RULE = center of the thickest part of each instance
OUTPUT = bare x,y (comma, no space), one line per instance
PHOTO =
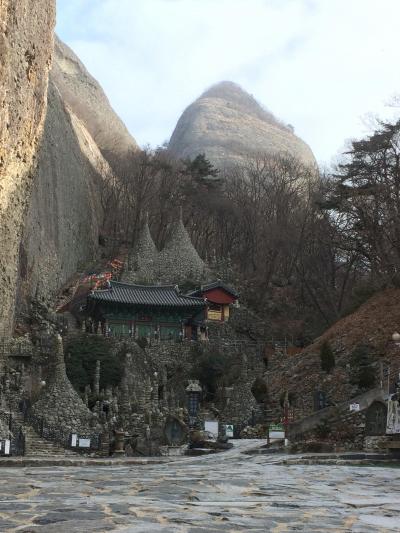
338,426
170,352
364,401
376,443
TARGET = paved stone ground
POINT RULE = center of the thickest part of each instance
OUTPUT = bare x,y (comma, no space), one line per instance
229,492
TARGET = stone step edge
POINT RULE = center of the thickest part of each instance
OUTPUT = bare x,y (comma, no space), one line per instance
39,461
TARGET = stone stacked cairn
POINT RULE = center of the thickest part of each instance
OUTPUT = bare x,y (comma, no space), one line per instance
178,262
59,404
142,263
3,431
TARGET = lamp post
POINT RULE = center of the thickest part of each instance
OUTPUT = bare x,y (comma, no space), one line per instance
119,442
193,393
286,416
396,338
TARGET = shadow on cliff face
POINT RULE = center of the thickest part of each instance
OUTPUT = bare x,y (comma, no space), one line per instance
63,218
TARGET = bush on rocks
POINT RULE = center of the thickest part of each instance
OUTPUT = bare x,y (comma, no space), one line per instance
81,355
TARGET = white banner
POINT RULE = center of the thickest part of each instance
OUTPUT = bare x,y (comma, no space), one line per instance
393,417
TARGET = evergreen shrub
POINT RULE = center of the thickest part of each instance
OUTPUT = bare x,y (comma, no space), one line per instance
327,357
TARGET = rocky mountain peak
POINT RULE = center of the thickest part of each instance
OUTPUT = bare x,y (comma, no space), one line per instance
228,125
233,94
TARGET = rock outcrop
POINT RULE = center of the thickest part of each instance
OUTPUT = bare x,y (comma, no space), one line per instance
87,100
228,125
26,47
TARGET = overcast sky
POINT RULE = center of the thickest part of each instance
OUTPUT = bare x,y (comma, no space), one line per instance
320,65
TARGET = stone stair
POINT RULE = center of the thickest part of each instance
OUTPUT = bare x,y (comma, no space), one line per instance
310,422
36,445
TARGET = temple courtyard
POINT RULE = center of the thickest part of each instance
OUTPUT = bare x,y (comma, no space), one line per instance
228,492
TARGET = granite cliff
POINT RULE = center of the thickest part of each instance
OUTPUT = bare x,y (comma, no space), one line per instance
57,150
228,125
64,213
87,100
26,47
83,138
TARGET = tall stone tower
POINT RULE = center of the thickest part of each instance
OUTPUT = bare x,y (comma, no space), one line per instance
142,262
179,261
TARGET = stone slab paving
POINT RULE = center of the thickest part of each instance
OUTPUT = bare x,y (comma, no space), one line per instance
229,492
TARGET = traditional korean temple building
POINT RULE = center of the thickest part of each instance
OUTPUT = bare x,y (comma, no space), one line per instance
147,311
148,304
219,297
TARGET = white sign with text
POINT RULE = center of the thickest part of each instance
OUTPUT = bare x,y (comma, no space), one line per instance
212,427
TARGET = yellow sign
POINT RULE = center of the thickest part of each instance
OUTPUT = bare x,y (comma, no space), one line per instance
214,315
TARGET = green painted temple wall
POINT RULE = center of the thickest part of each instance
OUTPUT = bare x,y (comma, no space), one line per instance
144,321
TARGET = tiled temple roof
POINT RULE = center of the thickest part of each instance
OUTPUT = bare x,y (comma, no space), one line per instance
215,285
153,295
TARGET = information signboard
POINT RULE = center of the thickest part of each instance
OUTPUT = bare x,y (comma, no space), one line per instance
229,430
276,431
213,314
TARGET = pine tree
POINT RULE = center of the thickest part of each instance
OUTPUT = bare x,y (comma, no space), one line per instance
201,167
362,371
327,357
